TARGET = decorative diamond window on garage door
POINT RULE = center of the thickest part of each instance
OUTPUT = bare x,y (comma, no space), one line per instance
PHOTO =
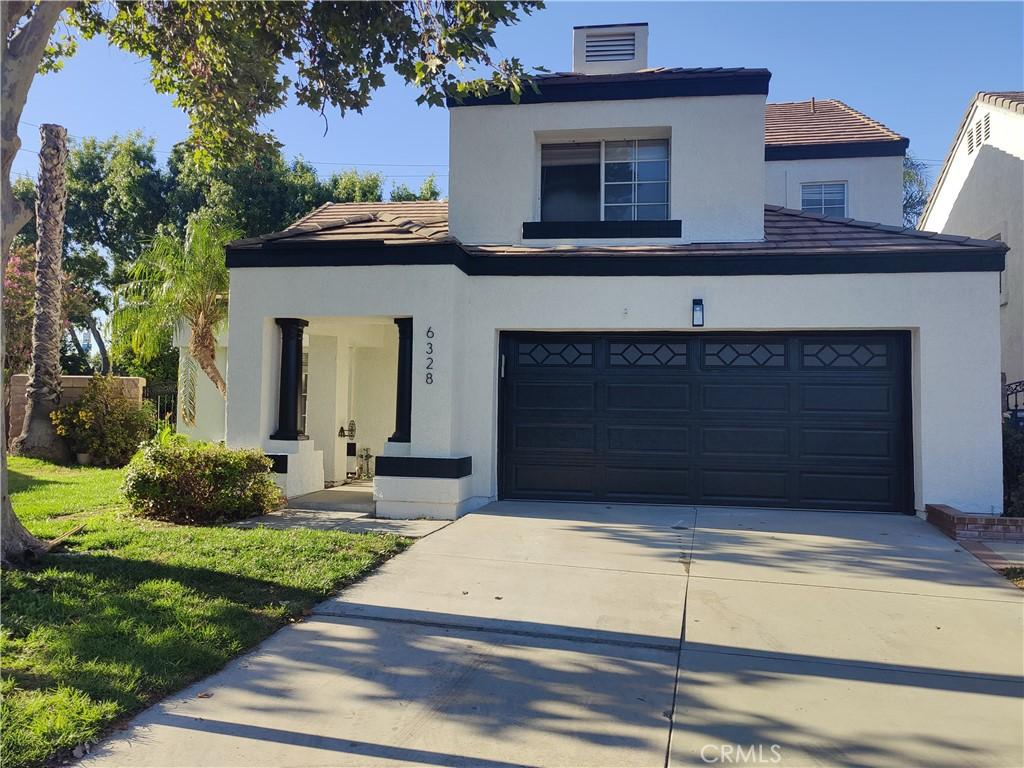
814,421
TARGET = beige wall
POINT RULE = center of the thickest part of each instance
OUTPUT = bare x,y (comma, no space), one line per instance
72,388
874,185
210,409
717,165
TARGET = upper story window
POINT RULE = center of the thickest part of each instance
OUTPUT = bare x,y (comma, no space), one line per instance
605,181
827,199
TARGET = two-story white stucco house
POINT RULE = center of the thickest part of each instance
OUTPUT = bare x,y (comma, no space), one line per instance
980,192
607,310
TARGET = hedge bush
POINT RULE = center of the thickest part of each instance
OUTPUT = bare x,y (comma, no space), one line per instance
104,423
199,483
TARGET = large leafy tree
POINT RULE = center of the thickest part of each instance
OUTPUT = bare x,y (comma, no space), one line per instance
231,63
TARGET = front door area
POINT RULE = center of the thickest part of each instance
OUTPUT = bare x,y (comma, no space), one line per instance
808,420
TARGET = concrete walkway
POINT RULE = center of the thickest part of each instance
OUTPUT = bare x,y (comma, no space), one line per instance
592,635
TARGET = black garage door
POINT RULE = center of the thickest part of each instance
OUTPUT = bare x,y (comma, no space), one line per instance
813,421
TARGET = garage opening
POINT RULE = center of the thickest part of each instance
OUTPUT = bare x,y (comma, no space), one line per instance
809,420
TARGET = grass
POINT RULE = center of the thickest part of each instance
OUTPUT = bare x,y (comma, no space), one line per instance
134,609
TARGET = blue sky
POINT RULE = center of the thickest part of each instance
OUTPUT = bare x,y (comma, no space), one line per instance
913,66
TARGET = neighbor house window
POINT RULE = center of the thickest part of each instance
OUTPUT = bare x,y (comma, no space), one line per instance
827,199
605,181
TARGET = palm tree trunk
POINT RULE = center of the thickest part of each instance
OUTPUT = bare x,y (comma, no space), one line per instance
22,54
38,437
203,347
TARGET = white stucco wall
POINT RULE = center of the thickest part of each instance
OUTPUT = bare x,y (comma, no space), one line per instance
982,195
210,407
874,185
717,161
955,353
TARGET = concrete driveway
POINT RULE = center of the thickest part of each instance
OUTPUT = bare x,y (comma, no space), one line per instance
592,635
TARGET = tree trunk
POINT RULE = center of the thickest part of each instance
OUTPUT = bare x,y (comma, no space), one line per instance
23,51
78,345
203,347
38,437
101,347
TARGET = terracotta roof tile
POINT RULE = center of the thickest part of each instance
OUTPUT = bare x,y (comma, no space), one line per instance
824,121
1012,100
786,231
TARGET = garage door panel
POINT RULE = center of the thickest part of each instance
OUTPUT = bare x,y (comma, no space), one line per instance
865,399
843,443
847,354
744,486
557,437
744,440
648,397
648,439
552,481
832,489
735,398
806,420
549,396
645,483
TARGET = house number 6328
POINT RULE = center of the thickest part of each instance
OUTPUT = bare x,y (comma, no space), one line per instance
430,355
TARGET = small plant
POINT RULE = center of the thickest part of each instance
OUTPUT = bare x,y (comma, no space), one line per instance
104,423
167,436
199,483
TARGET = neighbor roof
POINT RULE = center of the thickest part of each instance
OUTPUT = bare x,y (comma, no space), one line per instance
347,233
408,223
1009,100
825,128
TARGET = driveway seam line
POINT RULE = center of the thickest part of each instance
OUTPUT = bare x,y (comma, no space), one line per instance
853,589
895,668
550,565
682,643
494,631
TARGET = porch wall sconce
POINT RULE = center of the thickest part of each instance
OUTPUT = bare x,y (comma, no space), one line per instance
698,313
350,433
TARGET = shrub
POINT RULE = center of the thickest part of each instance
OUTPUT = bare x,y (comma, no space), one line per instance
104,423
199,483
1013,470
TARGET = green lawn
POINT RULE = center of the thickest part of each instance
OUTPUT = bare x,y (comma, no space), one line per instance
134,610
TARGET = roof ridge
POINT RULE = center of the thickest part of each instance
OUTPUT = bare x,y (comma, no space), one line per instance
869,120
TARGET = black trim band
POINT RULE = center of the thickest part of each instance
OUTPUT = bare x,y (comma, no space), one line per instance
630,86
279,463
722,263
888,148
553,230
416,466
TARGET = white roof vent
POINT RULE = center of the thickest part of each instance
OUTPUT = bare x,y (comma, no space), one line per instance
608,49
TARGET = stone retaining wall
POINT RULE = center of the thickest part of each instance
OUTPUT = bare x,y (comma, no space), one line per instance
72,388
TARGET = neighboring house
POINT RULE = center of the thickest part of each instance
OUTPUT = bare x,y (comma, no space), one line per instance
607,310
980,192
826,157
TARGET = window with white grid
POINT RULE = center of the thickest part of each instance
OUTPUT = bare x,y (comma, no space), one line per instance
828,198
605,181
